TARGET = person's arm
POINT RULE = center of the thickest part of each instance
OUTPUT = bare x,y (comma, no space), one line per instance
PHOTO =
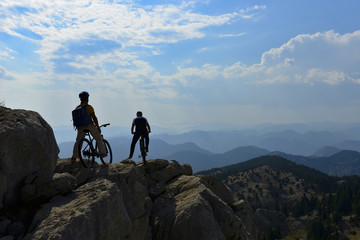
148,127
94,118
132,128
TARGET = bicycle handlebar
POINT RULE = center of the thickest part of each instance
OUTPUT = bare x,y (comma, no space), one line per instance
105,125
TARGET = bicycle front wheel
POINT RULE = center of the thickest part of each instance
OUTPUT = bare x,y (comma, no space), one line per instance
108,158
142,149
86,153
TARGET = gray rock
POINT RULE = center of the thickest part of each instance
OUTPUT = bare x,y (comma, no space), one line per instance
39,190
133,186
218,187
128,161
160,172
27,146
187,169
190,210
94,211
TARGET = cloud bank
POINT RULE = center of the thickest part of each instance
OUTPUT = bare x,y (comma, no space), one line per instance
109,47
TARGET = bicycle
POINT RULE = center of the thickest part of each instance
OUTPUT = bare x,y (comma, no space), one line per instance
143,153
88,153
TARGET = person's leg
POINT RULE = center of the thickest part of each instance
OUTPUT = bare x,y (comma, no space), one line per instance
147,140
99,141
133,143
80,135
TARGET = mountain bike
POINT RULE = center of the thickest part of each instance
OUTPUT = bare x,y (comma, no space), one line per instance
88,153
143,153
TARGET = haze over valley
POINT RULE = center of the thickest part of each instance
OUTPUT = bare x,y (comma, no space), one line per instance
209,149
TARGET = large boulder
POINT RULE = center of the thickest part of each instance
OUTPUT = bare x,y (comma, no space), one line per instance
130,181
190,210
133,185
94,211
190,207
38,190
27,147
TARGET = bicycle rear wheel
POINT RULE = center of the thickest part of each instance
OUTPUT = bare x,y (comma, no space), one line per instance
142,149
86,153
108,158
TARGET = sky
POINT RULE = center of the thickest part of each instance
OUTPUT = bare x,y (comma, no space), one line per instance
205,64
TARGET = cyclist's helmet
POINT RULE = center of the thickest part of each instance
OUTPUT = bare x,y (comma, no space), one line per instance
84,95
139,114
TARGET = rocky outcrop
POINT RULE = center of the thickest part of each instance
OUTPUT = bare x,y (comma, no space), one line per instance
28,147
152,201
127,200
94,211
190,210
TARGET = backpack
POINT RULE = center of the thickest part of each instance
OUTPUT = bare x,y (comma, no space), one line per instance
81,117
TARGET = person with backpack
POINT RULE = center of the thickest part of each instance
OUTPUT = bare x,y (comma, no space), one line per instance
84,118
142,128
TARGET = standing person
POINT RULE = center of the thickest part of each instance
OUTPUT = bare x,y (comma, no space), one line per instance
91,123
142,128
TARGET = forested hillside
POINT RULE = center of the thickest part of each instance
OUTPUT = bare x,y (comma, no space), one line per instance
287,199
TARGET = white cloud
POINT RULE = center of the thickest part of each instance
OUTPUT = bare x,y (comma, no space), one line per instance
328,57
4,74
251,12
233,35
56,24
4,55
204,49
131,25
7,54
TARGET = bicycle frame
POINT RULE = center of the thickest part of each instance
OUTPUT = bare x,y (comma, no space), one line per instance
88,153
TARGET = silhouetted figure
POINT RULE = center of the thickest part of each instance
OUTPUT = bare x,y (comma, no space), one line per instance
91,124
142,128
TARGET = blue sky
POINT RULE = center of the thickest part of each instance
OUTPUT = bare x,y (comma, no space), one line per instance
207,64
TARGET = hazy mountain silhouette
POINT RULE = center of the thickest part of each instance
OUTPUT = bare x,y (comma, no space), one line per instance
198,161
239,154
201,161
288,141
325,152
342,163
297,139
121,145
349,145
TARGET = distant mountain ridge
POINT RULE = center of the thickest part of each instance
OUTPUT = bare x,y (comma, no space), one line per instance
290,141
343,162
325,152
200,161
121,148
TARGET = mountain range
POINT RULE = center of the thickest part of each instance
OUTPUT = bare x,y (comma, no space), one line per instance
330,160
210,149
289,141
298,139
